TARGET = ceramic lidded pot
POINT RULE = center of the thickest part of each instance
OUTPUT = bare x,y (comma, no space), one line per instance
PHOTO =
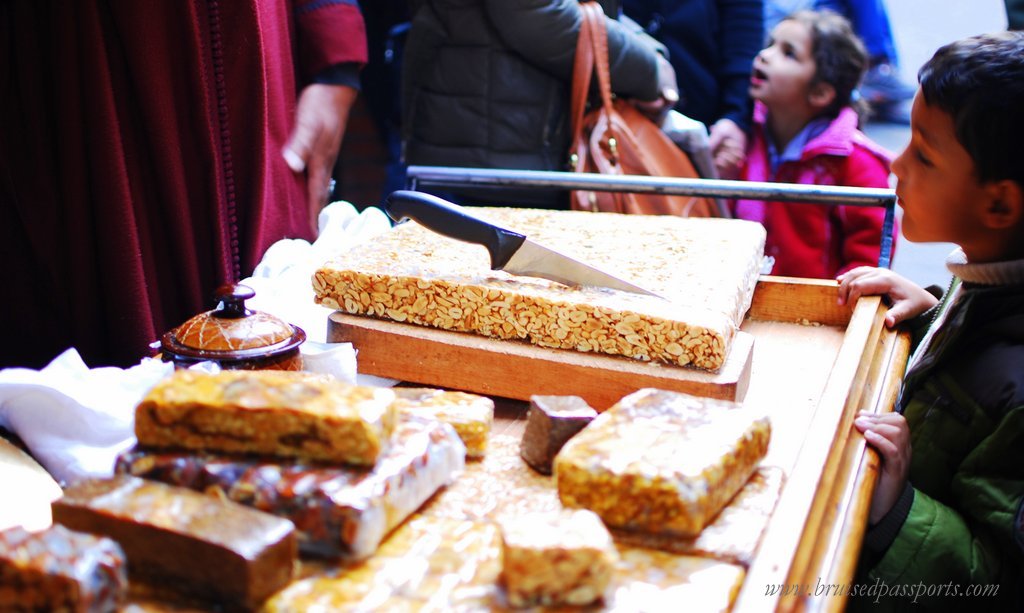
235,337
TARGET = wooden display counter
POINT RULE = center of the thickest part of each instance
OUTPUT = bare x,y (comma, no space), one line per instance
813,366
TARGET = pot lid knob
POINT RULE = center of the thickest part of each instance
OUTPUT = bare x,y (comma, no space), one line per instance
232,297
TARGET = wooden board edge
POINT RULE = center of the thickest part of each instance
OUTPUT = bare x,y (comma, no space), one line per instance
851,497
800,504
796,300
507,369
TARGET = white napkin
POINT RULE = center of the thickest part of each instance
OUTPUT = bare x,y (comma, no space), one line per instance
75,420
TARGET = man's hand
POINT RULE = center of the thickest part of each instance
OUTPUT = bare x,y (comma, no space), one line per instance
908,298
668,93
728,145
890,436
320,119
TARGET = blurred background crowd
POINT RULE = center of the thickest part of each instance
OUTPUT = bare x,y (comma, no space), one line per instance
150,152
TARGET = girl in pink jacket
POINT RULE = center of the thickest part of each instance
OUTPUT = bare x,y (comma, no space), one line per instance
805,131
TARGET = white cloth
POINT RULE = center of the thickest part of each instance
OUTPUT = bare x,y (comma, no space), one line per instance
282,279
76,420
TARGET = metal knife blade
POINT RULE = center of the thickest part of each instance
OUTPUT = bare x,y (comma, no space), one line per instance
510,251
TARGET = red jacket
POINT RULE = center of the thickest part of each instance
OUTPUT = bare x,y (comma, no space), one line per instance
140,159
811,240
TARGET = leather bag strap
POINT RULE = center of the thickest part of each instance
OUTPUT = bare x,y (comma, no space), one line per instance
599,41
583,69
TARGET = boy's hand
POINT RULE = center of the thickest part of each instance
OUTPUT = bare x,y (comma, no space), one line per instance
908,299
890,436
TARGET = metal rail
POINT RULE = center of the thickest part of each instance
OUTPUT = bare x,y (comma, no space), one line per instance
419,177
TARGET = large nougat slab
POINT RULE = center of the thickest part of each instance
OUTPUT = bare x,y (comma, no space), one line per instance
443,564
60,570
661,462
274,413
185,541
706,269
339,511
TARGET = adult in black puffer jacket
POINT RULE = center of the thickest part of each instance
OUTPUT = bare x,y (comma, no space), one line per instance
486,84
712,44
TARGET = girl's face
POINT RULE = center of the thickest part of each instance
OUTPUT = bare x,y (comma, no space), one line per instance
783,71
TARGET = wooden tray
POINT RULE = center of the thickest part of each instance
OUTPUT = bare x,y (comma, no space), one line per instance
518,370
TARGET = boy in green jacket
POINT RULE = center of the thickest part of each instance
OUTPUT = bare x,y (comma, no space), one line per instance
947,521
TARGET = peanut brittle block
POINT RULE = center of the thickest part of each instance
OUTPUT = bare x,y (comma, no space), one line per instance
338,511
274,413
60,570
661,462
550,422
178,539
471,415
706,269
556,559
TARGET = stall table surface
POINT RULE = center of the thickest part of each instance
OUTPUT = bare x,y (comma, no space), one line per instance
812,365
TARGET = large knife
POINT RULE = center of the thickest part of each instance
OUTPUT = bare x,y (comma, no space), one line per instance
511,252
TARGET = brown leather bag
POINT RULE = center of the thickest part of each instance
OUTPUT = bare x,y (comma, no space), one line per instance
617,139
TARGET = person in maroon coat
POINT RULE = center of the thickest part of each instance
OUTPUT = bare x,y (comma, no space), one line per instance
152,151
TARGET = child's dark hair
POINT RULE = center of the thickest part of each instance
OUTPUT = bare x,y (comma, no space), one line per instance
839,55
979,81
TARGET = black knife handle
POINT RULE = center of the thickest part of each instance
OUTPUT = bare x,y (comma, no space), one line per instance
455,222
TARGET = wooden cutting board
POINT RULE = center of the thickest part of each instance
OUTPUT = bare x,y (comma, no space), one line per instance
510,369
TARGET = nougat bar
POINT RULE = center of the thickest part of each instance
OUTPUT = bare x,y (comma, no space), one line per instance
275,413
60,570
556,559
173,537
428,564
705,269
661,462
471,415
338,511
550,422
